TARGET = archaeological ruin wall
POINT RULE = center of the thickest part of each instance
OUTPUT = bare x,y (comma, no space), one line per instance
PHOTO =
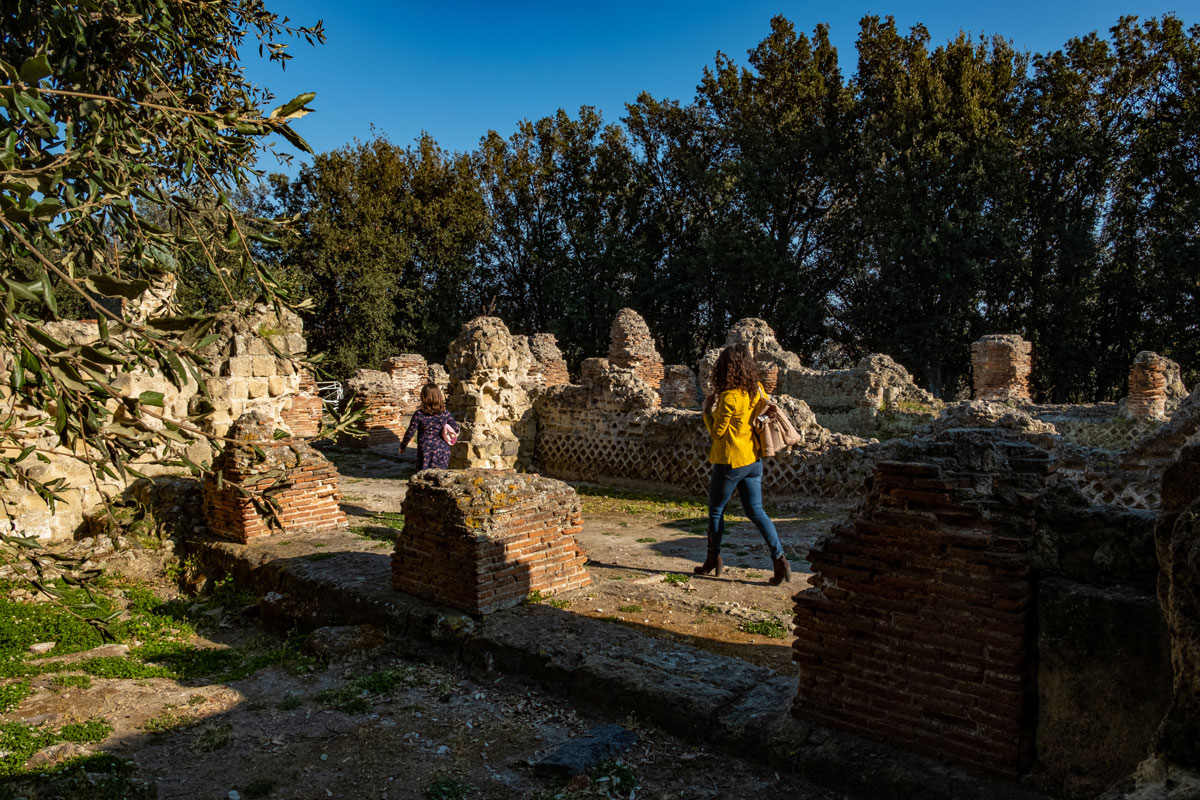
632,347
611,429
978,610
251,366
1000,367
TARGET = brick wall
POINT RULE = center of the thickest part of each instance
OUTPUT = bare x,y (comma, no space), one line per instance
1148,386
385,416
481,539
633,347
679,388
303,416
409,372
1001,365
919,629
289,476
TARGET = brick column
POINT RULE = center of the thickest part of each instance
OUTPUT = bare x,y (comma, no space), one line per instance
1147,386
1001,364
633,347
303,416
919,629
482,539
385,417
288,476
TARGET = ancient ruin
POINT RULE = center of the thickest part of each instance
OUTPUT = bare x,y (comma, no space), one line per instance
302,413
1149,379
480,540
548,360
1001,365
633,348
262,484
490,380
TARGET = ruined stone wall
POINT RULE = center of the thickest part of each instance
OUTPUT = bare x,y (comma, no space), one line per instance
490,385
1001,364
918,630
633,348
1150,377
876,398
548,360
480,540
610,429
1132,478
409,373
289,477
249,369
680,388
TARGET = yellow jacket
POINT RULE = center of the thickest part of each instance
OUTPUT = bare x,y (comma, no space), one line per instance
729,425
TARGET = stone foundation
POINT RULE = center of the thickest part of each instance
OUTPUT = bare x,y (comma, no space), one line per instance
919,629
633,348
1001,364
289,477
480,540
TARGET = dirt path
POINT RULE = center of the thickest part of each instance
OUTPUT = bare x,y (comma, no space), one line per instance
641,550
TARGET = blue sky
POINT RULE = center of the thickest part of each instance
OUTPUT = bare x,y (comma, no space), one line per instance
459,69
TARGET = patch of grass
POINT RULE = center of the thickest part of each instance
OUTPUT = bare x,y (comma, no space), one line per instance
709,609
166,722
771,628
11,695
647,540
260,788
630,609
214,737
443,786
94,777
19,741
754,575
559,602
676,578
290,703
615,778
356,697
534,597
71,681
603,500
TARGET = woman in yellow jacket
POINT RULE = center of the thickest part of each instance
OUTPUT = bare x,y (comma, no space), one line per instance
727,413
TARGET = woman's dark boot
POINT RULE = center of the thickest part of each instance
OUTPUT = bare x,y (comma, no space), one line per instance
712,563
783,572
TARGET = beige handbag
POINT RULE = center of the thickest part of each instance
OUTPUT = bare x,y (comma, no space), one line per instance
773,431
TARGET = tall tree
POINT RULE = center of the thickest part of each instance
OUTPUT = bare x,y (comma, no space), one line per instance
385,247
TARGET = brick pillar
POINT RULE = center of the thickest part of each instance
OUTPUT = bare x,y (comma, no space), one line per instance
1148,386
633,347
289,476
303,416
482,539
409,373
919,629
384,407
1001,364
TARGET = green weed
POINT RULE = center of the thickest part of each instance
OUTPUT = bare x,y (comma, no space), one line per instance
771,628
676,578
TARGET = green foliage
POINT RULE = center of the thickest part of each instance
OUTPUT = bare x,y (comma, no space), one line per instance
443,786
676,578
19,741
71,681
357,696
630,609
11,695
771,628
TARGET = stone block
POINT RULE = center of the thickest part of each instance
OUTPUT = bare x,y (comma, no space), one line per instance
256,388
262,366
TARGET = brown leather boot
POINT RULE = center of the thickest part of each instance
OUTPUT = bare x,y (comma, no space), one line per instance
783,571
712,563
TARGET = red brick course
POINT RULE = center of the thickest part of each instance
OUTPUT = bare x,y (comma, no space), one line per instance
919,629
290,477
480,539
303,417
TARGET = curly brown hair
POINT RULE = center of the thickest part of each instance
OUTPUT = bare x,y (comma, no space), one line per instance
735,369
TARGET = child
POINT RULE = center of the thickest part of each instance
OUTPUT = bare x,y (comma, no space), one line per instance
433,451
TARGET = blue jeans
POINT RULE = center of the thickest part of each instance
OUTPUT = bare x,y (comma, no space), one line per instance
748,482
